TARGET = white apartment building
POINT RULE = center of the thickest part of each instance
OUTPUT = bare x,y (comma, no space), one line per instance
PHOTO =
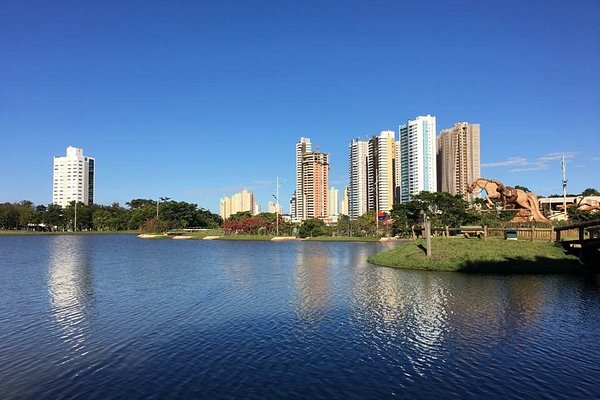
417,157
358,153
344,203
73,178
333,202
274,208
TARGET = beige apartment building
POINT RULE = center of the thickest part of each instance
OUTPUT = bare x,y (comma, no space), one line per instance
239,202
315,181
310,199
380,180
458,158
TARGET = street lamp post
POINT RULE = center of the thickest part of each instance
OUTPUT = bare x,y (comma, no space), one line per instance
563,164
277,208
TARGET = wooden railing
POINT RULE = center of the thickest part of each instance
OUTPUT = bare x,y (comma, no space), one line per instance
532,233
583,229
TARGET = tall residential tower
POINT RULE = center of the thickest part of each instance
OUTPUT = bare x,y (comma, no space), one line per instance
358,154
240,202
458,160
73,178
417,157
381,162
312,179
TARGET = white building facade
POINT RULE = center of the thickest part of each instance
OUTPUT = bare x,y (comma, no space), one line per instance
358,154
333,201
417,140
73,178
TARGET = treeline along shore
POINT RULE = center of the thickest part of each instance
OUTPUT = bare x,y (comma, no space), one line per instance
138,214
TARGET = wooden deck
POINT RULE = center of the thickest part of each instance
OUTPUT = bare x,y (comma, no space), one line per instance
587,245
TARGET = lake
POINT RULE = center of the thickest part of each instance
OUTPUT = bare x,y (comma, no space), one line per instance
114,316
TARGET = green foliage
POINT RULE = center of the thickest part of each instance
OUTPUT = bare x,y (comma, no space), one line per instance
576,215
590,192
314,227
442,209
523,188
239,216
342,227
139,215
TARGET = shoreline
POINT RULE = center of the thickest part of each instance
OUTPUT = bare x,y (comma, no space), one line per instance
492,256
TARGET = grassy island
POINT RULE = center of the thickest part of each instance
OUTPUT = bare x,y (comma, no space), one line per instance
481,256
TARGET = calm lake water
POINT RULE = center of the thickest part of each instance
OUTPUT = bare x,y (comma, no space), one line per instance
114,316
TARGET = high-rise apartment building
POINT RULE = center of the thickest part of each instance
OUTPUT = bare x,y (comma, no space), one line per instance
458,159
312,179
358,155
380,167
73,178
240,202
333,202
298,209
417,154
344,203
274,208
315,181
372,174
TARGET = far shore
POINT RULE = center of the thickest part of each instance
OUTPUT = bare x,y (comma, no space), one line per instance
262,238
11,232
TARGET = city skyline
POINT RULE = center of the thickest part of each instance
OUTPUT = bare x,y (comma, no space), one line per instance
179,101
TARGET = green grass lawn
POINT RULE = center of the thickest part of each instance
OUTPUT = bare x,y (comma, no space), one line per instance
483,256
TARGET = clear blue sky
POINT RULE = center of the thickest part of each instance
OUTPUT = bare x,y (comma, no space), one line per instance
192,100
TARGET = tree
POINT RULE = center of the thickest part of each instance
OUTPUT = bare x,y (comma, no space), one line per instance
55,217
314,227
342,227
26,213
443,209
590,192
577,215
523,188
9,216
366,224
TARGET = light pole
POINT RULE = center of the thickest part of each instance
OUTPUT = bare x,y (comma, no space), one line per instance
277,208
377,203
75,225
563,163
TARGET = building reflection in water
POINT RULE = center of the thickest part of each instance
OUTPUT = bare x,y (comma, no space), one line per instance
312,280
70,288
407,307
423,312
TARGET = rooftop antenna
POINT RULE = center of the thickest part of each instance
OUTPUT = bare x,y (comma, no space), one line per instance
563,164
